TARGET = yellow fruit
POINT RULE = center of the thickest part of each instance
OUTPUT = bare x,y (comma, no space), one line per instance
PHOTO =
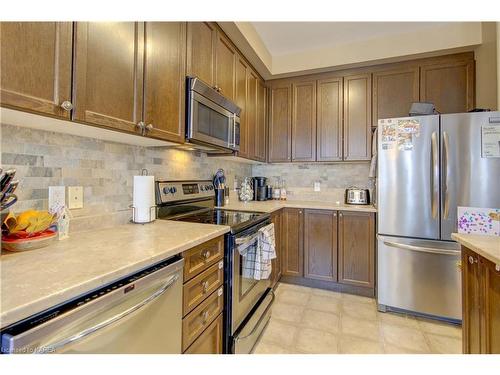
32,221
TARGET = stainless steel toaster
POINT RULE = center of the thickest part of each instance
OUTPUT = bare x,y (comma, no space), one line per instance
355,195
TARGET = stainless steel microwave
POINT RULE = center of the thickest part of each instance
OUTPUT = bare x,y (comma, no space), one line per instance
212,119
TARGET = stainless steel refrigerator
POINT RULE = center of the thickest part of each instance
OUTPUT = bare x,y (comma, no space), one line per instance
427,167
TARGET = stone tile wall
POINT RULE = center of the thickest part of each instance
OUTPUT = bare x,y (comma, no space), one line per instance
104,169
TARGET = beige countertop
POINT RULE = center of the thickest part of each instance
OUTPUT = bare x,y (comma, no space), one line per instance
274,205
36,280
486,246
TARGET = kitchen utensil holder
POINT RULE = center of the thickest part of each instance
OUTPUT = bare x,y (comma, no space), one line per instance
152,217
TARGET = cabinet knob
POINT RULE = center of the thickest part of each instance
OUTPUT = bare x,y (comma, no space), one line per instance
67,105
205,286
204,316
472,260
206,254
334,214
149,127
340,214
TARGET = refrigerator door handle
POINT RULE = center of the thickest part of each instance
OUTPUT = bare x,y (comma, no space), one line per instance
446,207
422,249
434,175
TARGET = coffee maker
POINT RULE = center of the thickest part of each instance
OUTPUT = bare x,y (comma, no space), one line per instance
259,188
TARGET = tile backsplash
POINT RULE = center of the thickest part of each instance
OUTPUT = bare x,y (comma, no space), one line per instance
104,169
334,178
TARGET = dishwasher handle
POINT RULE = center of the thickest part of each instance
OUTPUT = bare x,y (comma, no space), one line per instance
50,348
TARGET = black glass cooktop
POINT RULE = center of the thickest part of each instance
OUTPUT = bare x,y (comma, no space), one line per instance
237,220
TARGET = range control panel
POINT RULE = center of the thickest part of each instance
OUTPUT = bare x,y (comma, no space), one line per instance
172,191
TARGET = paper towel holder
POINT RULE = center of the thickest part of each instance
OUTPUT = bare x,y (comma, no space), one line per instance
152,216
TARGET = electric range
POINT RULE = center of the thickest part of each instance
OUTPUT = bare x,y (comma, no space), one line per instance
247,302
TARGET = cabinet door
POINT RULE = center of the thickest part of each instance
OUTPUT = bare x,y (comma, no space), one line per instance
293,250
210,341
471,310
280,105
491,311
329,120
320,245
261,128
304,121
36,66
357,117
108,77
164,79
225,64
450,86
356,248
393,92
201,39
241,91
276,262
252,82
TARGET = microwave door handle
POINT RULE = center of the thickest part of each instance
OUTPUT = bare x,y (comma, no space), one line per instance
234,130
231,133
49,348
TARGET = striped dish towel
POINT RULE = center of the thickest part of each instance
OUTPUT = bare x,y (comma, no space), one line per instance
257,251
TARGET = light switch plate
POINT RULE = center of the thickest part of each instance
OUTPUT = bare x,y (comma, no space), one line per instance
57,197
75,197
317,186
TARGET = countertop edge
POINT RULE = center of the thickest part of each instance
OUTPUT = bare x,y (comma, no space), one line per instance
470,244
275,206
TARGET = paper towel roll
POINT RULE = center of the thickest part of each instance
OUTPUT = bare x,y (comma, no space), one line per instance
144,199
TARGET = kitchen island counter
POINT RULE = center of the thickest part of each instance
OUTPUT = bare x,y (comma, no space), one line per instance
36,280
486,246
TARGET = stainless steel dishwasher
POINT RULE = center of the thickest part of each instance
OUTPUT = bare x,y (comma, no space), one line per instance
141,313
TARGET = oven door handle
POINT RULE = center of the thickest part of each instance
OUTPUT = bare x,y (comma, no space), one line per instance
257,325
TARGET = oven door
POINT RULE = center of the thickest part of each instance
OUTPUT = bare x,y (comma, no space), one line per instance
209,123
246,291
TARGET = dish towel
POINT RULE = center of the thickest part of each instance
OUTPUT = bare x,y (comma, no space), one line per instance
257,251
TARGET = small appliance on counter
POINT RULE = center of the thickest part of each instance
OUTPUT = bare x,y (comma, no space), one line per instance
259,188
220,188
355,195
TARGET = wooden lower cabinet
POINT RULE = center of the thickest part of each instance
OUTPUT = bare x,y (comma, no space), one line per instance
357,248
276,264
210,341
480,304
203,298
293,249
329,249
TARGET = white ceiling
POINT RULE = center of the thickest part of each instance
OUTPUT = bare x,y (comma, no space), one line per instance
282,38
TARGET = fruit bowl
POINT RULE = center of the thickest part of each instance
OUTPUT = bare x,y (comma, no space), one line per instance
21,241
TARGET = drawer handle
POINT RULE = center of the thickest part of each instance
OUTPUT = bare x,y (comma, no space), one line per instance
204,316
205,285
205,255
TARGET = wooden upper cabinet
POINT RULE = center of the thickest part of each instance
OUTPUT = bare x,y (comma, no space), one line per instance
252,82
280,108
449,85
357,117
36,66
240,99
356,252
394,91
329,120
304,121
201,41
261,128
108,76
293,249
164,79
225,65
320,245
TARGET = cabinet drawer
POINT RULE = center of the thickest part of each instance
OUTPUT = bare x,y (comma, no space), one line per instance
200,257
210,341
201,286
201,317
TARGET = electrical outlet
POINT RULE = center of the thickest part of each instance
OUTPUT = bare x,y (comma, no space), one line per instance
317,186
75,197
57,197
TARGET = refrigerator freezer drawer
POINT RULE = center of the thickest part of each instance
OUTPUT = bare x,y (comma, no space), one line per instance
420,276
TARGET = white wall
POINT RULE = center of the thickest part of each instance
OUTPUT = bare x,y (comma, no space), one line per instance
486,67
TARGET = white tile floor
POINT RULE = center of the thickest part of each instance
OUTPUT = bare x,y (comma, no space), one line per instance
307,320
